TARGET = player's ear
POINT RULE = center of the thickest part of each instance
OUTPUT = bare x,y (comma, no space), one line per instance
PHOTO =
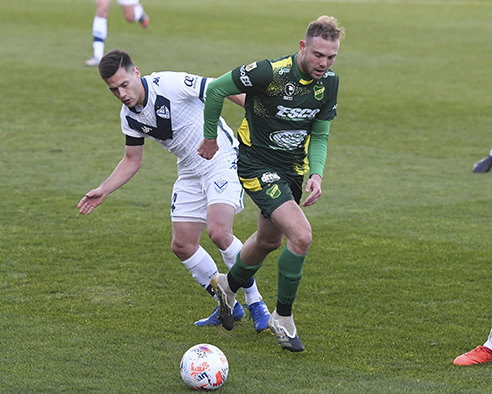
137,71
302,46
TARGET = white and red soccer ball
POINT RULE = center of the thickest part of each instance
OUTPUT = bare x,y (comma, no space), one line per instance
204,367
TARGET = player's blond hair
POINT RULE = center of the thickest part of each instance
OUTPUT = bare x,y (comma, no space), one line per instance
326,27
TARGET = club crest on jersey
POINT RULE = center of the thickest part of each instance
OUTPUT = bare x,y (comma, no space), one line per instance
274,192
163,112
270,177
220,185
289,91
319,92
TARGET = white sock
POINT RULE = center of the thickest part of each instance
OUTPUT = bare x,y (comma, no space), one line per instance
138,11
488,344
202,268
229,255
251,294
99,33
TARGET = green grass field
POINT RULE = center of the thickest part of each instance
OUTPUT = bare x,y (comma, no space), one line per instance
398,279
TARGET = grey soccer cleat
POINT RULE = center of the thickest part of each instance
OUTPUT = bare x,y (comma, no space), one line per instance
226,299
483,165
284,329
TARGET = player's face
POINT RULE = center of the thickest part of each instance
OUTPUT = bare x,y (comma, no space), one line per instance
127,87
317,55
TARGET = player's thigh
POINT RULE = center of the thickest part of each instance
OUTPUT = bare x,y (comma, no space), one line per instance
186,235
267,232
291,221
220,216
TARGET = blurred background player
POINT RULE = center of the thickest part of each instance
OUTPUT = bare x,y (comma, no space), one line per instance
167,107
483,165
479,355
133,11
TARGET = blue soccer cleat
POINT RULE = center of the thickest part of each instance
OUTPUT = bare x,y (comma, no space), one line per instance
483,165
213,319
260,315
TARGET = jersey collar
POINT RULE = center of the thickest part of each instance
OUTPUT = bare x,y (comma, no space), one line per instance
303,78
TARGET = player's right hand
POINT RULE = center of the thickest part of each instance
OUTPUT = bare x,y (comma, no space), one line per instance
207,148
90,201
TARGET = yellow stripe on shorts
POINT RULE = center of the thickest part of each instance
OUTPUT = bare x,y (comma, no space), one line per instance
252,184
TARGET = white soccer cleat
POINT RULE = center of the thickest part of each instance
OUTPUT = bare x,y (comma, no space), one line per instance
284,329
226,299
92,62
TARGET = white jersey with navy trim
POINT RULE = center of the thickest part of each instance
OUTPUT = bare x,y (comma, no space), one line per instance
173,116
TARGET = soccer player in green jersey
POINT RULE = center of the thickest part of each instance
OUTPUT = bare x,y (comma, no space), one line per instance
289,105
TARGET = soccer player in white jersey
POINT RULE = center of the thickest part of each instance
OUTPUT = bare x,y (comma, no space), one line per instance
167,107
133,11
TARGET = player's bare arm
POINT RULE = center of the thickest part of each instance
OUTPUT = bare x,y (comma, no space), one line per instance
124,171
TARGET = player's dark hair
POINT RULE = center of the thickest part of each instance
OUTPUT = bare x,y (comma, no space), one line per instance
325,27
112,61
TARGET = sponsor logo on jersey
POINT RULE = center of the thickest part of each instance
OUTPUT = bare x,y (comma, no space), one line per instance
146,129
319,92
270,177
289,91
274,192
251,66
283,70
243,77
156,80
329,74
288,139
335,106
163,112
190,81
296,113
220,185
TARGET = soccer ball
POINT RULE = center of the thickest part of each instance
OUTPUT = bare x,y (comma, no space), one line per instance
204,367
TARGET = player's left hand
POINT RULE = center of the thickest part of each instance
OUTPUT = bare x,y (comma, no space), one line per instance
313,187
207,148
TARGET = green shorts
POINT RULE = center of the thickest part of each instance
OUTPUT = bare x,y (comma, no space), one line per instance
270,189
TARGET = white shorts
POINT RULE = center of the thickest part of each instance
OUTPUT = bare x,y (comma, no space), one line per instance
128,2
192,195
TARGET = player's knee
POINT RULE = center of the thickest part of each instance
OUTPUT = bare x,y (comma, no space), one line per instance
220,236
301,242
269,245
182,250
